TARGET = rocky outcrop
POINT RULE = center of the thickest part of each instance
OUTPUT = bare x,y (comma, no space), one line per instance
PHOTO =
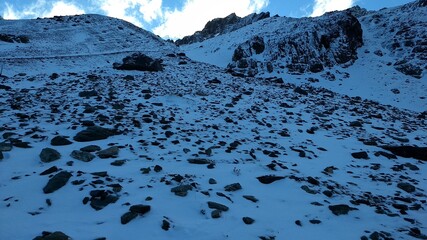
313,45
219,26
140,62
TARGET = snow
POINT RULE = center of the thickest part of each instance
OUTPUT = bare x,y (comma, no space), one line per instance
197,111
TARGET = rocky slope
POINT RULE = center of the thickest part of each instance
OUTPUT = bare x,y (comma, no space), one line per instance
118,142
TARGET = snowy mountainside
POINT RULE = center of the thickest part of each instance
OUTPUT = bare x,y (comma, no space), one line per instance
373,69
186,150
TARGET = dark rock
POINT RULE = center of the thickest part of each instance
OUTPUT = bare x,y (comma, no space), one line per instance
57,181
110,152
49,171
82,156
233,187
248,220
301,91
49,155
341,209
199,161
140,209
158,168
53,236
419,153
90,148
87,94
166,225
308,190
385,154
1,155
102,199
269,179
250,198
127,217
360,155
407,187
216,213
181,190
212,181
315,221
5,147
140,62
118,163
218,206
94,133
60,141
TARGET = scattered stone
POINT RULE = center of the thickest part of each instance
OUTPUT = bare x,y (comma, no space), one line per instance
110,152
269,179
127,217
341,209
315,221
118,163
308,190
166,225
360,155
49,171
82,156
216,213
407,187
419,153
57,181
218,206
53,236
5,147
233,187
158,168
140,209
101,198
199,161
248,220
60,141
250,198
182,190
88,94
140,62
90,148
49,155
94,133
385,154
212,181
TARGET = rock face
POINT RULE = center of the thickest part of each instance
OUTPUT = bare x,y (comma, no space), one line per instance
57,181
93,133
140,62
219,26
419,153
325,42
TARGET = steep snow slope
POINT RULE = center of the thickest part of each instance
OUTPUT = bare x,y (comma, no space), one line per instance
371,68
285,161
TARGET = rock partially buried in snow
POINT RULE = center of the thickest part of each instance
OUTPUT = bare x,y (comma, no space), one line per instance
140,62
419,153
94,133
360,155
218,206
127,217
110,152
269,179
49,155
407,187
200,161
82,156
53,236
233,187
57,182
341,209
60,141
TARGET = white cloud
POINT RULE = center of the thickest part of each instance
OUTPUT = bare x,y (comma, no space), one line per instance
323,6
196,13
42,8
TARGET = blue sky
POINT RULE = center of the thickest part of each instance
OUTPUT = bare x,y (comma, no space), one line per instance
178,18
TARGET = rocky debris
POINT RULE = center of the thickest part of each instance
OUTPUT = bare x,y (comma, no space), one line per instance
99,199
233,187
219,26
267,179
53,236
60,141
82,156
199,161
94,133
134,211
341,209
140,62
407,187
90,148
248,220
182,190
419,153
217,206
111,152
57,181
88,94
48,155
5,147
360,155
251,198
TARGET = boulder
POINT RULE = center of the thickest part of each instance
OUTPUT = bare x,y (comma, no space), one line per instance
140,62
49,155
82,156
60,141
94,133
110,152
419,153
57,181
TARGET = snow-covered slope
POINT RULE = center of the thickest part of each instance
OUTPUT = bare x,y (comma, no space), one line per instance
366,57
189,151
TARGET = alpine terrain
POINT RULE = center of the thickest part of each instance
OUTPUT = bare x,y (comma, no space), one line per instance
261,127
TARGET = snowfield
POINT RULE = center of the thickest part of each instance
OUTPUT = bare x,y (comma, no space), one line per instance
192,152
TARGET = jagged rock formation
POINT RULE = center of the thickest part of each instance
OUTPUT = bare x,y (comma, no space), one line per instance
220,26
310,46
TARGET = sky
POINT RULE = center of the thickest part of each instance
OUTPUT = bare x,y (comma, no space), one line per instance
173,19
